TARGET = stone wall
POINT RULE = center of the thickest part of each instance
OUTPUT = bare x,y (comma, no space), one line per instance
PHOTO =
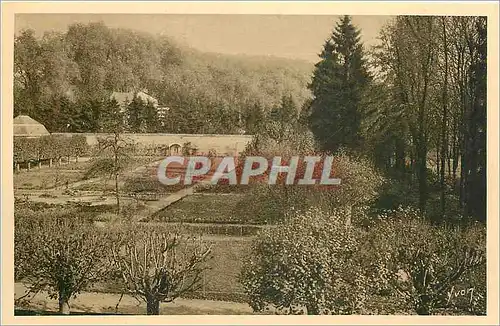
221,144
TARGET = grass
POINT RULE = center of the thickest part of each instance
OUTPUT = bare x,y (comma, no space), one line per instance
221,280
205,208
47,178
226,265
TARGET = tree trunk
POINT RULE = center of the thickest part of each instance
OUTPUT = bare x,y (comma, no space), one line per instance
50,163
422,173
153,306
29,166
348,218
312,309
18,168
64,308
400,156
423,306
117,190
444,134
117,194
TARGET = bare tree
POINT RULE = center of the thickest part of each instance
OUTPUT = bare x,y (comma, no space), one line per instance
115,145
119,148
159,267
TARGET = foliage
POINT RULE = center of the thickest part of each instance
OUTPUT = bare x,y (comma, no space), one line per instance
360,185
78,145
59,253
25,149
308,261
421,263
49,147
428,102
337,85
159,267
100,168
63,79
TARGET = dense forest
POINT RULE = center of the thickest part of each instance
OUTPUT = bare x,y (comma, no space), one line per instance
64,80
415,103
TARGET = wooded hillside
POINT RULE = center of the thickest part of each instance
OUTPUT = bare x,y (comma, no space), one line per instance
61,78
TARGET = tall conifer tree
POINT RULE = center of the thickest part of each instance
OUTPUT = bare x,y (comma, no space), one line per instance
338,82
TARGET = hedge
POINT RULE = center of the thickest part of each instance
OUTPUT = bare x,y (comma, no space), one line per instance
49,147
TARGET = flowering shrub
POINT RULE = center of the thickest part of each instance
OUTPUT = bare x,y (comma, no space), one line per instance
308,263
359,186
421,263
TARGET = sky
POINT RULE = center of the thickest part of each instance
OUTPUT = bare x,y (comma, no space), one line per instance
288,36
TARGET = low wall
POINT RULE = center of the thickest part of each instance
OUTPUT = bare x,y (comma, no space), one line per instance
222,144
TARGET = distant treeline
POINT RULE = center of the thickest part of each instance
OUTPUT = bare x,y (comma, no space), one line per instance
65,79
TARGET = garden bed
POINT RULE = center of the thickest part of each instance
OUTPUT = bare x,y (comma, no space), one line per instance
206,208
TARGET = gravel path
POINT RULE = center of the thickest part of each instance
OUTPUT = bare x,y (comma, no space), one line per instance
91,302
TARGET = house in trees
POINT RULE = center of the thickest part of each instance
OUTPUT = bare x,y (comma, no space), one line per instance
124,99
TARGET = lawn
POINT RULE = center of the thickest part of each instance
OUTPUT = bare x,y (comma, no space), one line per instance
228,256
205,208
220,281
46,178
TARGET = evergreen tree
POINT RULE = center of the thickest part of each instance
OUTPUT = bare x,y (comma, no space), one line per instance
68,115
112,119
254,119
135,111
282,119
88,118
150,118
338,82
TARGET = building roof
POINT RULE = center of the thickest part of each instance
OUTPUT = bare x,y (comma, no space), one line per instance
124,99
25,126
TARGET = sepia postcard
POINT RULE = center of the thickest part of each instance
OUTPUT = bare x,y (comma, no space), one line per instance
253,163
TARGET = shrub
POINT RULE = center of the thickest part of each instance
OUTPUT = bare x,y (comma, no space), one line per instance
421,263
308,262
25,149
78,146
60,253
141,184
100,167
360,183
